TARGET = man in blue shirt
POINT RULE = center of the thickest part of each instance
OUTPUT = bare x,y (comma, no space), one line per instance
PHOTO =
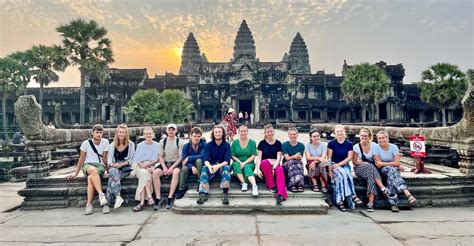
216,162
192,155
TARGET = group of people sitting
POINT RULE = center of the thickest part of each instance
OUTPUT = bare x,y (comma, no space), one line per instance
280,165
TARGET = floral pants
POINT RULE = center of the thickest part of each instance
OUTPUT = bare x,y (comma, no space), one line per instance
295,171
206,176
113,185
395,183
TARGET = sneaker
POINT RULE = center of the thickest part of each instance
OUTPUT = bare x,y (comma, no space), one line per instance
394,209
202,198
105,209
118,202
279,199
102,199
89,209
180,194
225,199
169,203
244,187
386,192
157,205
370,207
254,190
273,190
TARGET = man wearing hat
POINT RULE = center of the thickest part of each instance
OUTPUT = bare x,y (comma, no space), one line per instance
170,149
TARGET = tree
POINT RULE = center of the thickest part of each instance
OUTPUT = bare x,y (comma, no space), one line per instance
442,85
365,85
11,83
88,48
44,61
23,59
151,107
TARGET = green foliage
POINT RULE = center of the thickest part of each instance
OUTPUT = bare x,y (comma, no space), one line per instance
11,77
442,85
364,84
87,47
152,107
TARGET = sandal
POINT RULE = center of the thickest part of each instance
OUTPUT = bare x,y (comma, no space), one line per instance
357,200
324,190
411,199
294,189
300,189
342,208
315,188
138,208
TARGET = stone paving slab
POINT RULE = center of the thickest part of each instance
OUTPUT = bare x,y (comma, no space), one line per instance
423,215
9,199
68,234
442,233
321,239
76,217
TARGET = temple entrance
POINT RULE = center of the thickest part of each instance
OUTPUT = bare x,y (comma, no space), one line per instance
245,105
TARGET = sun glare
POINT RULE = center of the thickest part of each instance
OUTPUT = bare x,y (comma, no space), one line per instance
178,51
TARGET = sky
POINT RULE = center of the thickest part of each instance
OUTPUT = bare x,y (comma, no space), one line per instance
151,34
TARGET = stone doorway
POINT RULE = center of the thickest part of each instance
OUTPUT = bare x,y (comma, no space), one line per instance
245,105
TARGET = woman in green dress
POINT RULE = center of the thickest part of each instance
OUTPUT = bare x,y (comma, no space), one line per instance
244,151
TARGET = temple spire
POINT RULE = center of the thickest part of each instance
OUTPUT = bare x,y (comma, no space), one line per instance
298,58
190,57
244,43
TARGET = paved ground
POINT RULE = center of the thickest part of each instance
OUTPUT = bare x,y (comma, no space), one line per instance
427,226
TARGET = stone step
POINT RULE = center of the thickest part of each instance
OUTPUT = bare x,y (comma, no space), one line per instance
243,205
262,193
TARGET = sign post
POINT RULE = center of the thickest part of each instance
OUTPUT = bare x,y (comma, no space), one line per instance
417,149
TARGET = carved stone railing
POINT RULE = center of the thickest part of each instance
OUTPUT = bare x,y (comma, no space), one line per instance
459,137
40,140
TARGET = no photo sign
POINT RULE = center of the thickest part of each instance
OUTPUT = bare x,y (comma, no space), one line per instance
417,146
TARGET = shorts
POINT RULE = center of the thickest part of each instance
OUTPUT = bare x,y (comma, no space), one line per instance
168,165
100,168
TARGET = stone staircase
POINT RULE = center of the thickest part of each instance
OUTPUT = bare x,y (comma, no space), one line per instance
444,188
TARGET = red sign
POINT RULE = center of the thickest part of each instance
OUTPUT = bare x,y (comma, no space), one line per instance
417,146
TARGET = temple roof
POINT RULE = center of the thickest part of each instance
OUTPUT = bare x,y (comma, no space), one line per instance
298,56
244,43
191,56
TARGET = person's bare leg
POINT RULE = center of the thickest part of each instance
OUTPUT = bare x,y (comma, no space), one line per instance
90,190
241,178
174,182
157,182
252,180
379,183
142,197
95,179
371,197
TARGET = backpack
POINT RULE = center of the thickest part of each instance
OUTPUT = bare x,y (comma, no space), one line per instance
166,138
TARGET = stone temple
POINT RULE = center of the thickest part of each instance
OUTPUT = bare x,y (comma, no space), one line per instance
282,91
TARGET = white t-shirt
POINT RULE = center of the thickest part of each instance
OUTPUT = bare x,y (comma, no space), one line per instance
91,156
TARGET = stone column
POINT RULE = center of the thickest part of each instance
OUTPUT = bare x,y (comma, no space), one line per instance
466,155
38,154
103,111
256,109
112,114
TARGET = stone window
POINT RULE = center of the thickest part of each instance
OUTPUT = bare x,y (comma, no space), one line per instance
282,114
302,115
311,93
316,115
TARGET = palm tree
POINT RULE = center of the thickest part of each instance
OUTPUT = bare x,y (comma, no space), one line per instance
364,84
442,85
44,60
11,83
23,58
89,49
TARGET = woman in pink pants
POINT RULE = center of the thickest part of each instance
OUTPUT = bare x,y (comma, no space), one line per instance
268,164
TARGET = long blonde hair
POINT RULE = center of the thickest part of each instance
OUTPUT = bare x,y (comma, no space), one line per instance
265,128
127,137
